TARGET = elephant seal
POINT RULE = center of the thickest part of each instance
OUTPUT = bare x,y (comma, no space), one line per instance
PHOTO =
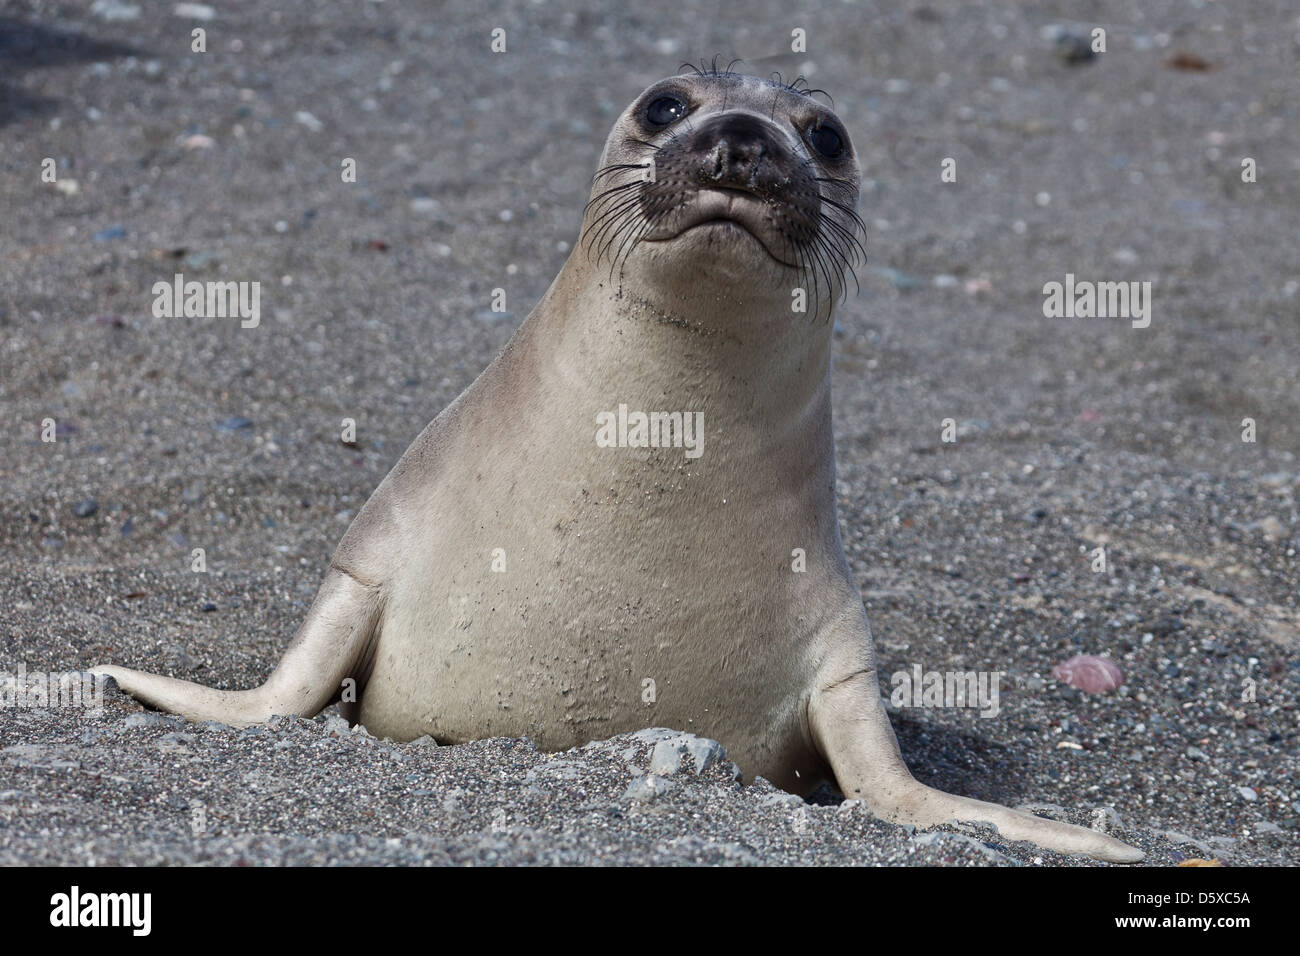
596,536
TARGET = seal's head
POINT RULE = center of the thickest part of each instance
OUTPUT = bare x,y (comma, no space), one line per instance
733,179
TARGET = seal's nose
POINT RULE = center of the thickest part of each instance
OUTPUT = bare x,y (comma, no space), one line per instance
738,151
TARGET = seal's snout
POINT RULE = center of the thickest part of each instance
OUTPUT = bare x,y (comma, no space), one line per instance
734,169
740,151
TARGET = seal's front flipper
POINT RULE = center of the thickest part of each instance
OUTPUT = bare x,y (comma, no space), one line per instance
335,642
851,730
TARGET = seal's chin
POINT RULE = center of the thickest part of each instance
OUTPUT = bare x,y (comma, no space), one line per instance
727,218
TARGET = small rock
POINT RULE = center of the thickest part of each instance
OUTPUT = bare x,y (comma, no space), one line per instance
935,837
1089,673
1074,48
1190,62
194,11
705,752
115,11
899,279
647,788
1271,528
85,508
667,757
782,799
336,726
1106,819
148,718
1248,794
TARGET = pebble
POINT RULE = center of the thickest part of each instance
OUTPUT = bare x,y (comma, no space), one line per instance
114,11
1074,48
647,788
148,718
194,11
308,120
85,508
667,757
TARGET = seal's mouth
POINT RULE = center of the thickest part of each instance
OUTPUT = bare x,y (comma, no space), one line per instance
736,213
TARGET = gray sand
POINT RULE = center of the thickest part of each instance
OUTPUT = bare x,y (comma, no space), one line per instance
1073,433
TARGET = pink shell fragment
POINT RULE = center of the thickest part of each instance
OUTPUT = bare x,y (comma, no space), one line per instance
1090,673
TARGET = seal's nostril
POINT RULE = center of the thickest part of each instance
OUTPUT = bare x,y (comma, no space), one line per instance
740,151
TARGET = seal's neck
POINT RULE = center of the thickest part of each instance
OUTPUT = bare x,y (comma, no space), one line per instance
707,342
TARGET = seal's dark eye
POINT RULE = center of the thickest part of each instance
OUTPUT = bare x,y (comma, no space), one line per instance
826,141
665,111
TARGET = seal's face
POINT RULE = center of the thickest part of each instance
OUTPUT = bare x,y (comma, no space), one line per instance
721,169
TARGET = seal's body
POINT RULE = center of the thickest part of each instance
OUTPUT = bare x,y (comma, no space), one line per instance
538,564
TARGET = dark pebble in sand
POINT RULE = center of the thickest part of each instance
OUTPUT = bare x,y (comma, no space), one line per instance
86,508
1074,48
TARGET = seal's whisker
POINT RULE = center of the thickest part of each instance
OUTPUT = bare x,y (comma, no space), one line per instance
615,167
853,251
626,220
608,221
635,237
833,252
615,195
612,230
819,253
855,220
612,204
608,192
